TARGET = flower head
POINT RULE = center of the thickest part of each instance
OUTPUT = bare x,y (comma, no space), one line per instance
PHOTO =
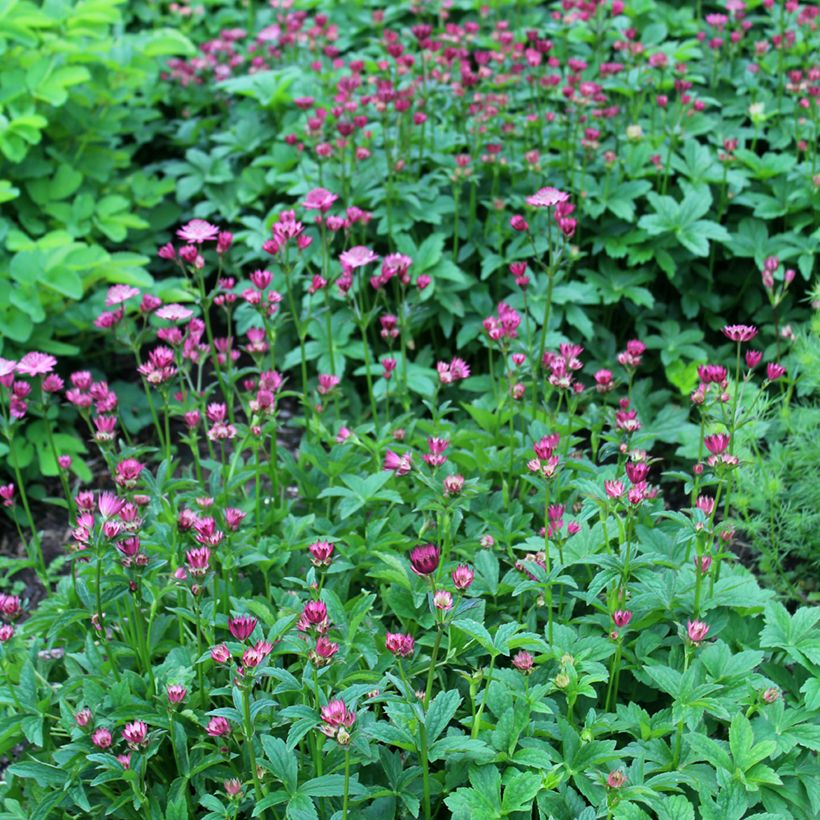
218,727
135,734
424,559
547,197
402,646
36,364
242,627
198,231
696,630
740,333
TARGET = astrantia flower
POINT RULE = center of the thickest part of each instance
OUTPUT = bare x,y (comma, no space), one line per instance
400,465
424,559
218,727
775,371
101,738
174,313
117,294
242,626
523,662
740,333
135,733
547,197
696,630
621,617
400,645
443,600
221,653
337,714
718,443
615,779
321,553
176,693
198,231
7,367
357,257
319,199
36,364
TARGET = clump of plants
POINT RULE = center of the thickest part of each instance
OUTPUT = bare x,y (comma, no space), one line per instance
481,607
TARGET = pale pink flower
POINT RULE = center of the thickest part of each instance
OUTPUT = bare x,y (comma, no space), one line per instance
36,364
547,197
198,231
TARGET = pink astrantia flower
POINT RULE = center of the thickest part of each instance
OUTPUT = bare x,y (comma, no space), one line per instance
424,559
357,257
775,371
135,734
7,367
198,231
523,662
319,199
36,364
242,626
218,727
399,644
174,313
740,333
117,294
547,197
400,465
337,714
696,630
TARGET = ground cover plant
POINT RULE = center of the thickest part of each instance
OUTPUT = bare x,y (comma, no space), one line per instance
454,453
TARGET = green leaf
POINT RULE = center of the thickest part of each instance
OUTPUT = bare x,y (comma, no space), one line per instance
520,791
476,631
42,773
283,761
441,712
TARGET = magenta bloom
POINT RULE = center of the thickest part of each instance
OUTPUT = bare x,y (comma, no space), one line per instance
400,645
101,738
547,197
198,560
198,231
696,630
327,382
218,727
718,443
221,653
321,553
462,576
336,714
176,693
36,364
775,371
740,333
753,358
400,465
319,199
110,504
614,489
424,559
242,627
621,617
135,733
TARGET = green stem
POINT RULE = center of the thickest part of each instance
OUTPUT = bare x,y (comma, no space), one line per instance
432,670
477,722
246,710
347,783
